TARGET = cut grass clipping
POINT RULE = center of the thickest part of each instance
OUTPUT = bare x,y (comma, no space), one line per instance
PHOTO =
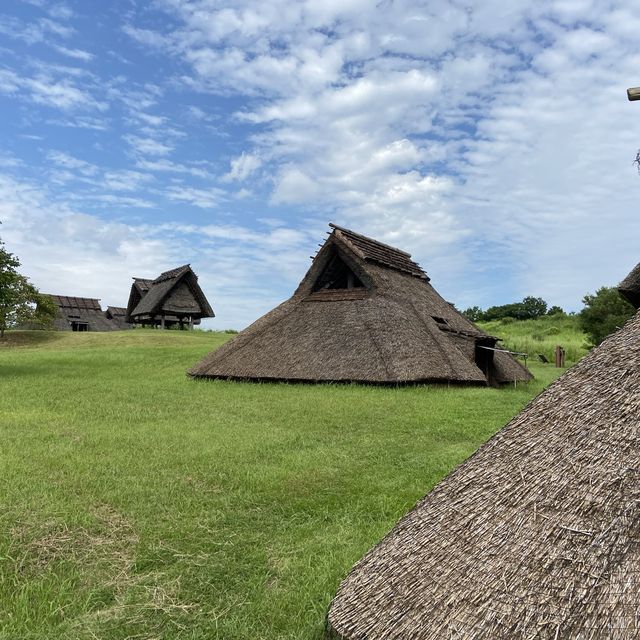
137,503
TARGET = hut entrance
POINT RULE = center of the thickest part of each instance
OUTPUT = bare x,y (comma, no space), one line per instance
337,275
483,358
77,325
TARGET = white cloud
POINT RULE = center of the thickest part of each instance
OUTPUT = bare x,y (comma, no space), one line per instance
78,54
203,198
43,89
167,166
148,146
125,180
242,167
295,187
445,127
60,159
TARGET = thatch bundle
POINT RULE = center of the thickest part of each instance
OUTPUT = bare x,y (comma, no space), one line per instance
364,312
535,536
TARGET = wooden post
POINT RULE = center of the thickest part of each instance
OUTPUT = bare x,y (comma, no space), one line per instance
190,323
559,357
162,322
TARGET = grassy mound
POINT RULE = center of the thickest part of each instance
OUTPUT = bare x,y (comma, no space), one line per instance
137,502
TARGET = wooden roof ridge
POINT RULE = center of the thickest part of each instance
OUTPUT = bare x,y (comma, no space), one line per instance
372,250
170,274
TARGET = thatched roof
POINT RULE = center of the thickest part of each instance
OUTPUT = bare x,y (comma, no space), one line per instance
535,536
73,311
116,312
364,312
630,287
173,294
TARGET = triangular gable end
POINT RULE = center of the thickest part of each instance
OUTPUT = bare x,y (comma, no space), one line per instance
337,275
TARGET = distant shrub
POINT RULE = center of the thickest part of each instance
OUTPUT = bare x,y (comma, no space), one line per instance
552,331
230,331
508,320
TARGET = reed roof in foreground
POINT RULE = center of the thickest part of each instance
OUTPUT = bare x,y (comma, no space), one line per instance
364,312
537,535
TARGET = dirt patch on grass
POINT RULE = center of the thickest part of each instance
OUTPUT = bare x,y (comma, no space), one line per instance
107,545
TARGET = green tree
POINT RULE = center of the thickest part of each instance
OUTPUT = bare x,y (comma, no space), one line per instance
474,314
19,300
555,310
533,308
530,307
603,313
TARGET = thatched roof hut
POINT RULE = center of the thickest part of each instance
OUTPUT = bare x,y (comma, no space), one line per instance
81,314
364,312
173,297
537,535
118,315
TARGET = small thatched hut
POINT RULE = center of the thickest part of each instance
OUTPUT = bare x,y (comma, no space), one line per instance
364,312
81,314
118,315
174,297
537,535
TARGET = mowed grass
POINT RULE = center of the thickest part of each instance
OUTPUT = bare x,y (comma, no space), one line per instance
137,503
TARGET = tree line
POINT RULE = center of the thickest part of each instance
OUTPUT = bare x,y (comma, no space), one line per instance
603,312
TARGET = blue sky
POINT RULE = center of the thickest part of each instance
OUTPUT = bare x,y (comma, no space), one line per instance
492,140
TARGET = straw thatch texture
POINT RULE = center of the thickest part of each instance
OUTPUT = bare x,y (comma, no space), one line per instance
174,295
390,326
73,312
536,536
630,287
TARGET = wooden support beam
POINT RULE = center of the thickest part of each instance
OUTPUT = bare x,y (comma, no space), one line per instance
633,93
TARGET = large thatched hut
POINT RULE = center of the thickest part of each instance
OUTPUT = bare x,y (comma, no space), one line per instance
536,536
364,312
174,297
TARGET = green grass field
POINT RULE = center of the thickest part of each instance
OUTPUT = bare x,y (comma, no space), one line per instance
137,503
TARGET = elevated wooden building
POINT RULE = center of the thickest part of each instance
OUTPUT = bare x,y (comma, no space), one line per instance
364,312
174,297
